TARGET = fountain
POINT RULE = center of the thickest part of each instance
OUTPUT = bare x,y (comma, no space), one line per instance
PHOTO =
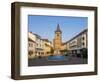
57,56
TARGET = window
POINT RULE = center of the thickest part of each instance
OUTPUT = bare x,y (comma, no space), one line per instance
83,43
30,53
83,38
31,45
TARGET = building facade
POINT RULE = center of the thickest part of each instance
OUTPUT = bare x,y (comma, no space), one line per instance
47,47
78,44
31,45
64,48
31,48
38,47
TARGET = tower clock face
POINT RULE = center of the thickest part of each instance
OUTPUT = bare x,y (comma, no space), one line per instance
57,35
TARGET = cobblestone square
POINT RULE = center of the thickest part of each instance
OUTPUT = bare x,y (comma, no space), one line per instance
70,60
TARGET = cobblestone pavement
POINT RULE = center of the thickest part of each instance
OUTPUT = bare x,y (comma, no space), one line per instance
45,62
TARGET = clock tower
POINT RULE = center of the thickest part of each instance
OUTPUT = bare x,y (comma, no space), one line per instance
57,42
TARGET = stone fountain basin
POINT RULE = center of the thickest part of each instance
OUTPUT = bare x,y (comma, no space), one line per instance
57,58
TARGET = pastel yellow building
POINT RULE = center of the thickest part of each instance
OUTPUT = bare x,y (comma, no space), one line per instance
64,49
47,47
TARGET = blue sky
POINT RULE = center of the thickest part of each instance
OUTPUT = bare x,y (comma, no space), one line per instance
45,26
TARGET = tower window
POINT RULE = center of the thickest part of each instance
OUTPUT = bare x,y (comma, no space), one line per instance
57,34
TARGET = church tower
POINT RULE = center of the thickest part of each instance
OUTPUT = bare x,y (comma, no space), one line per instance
57,40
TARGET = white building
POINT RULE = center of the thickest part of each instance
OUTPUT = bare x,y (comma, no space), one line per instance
39,46
32,36
31,48
78,44
38,43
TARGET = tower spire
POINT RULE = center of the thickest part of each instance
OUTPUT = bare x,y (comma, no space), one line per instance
58,28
